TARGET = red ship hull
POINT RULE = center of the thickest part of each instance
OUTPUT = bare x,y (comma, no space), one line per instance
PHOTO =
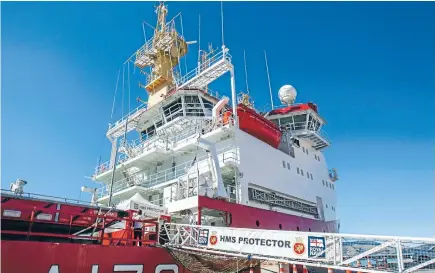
44,257
20,255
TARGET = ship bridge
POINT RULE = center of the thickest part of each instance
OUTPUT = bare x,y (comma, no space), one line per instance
301,251
301,121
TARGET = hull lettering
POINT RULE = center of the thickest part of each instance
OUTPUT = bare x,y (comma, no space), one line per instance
138,268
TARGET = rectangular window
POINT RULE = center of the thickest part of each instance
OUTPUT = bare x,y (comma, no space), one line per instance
283,164
288,165
323,181
308,175
303,149
311,175
333,187
298,170
306,150
302,172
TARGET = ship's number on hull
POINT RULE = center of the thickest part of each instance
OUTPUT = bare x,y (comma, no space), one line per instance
138,268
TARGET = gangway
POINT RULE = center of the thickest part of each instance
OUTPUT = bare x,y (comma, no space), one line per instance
342,252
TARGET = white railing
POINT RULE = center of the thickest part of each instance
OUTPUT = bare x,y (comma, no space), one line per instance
358,253
221,55
134,112
214,94
226,154
138,146
306,126
36,196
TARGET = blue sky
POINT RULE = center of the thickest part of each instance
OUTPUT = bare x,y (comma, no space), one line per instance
368,66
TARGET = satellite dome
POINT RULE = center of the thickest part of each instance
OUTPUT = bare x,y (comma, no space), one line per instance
287,94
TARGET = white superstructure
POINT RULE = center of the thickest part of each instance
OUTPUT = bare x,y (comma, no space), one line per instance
190,142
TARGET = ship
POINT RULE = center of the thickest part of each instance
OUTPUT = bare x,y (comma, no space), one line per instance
185,155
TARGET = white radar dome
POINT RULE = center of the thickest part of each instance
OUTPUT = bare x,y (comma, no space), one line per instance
287,94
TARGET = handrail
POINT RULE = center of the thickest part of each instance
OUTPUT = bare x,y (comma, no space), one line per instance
29,195
221,55
134,111
105,221
161,176
209,125
305,125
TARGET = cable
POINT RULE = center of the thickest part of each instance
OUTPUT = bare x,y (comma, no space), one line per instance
114,96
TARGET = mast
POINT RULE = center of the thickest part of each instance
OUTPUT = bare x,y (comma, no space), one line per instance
162,53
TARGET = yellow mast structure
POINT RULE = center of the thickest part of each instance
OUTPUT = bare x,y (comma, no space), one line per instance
162,53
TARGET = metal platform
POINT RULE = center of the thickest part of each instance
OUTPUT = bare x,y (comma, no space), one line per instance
200,77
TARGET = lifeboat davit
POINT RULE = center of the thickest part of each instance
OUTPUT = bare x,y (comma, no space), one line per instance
258,126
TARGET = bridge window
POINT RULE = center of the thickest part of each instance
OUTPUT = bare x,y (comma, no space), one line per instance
173,110
193,106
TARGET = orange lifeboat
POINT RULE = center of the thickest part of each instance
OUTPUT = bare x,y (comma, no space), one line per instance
258,126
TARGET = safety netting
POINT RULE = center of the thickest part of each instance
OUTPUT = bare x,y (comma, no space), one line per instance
200,262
